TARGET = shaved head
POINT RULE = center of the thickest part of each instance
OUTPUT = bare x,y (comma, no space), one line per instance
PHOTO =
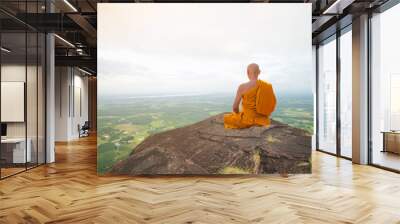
253,70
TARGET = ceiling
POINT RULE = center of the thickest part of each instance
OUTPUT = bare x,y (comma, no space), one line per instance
75,21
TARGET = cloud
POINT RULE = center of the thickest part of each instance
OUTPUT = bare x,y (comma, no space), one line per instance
184,48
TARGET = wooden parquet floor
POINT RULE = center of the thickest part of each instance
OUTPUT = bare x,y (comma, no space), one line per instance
70,191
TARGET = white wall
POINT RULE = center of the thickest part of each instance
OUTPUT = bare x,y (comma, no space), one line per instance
62,82
70,83
14,73
79,117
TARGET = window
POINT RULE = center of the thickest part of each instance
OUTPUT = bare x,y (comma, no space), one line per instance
327,96
346,94
385,89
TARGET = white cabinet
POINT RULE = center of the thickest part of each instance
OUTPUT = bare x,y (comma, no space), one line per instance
19,155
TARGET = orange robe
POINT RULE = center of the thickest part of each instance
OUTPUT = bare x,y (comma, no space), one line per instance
257,103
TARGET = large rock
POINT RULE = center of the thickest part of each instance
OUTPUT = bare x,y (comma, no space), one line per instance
207,148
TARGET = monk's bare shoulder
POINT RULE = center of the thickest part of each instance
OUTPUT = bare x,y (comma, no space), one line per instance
242,87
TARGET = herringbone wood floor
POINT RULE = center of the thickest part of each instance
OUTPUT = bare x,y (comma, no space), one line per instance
69,191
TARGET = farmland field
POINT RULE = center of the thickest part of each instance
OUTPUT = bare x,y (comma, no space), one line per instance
124,122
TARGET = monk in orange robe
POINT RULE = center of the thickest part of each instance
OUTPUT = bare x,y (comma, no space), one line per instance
258,102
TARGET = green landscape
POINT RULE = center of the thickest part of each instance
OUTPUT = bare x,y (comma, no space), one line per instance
124,122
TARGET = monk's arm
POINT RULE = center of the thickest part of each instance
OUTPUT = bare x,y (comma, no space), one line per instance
236,103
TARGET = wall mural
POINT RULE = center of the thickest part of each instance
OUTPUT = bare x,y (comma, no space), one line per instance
204,89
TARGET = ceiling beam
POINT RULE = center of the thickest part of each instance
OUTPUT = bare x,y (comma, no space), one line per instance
86,26
338,6
49,22
79,61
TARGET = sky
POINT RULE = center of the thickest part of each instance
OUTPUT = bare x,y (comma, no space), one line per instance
154,49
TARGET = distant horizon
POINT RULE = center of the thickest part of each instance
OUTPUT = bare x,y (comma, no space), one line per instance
176,94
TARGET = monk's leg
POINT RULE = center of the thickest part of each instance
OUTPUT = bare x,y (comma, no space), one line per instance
230,120
234,121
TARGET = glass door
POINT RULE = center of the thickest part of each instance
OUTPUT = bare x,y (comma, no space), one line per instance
22,101
14,153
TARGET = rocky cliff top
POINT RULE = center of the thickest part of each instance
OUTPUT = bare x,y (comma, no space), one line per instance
207,148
